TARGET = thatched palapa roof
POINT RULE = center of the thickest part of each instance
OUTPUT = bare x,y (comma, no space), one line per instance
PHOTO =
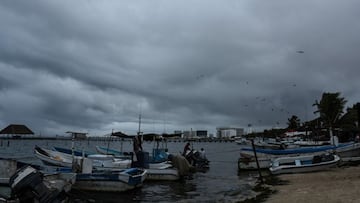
14,129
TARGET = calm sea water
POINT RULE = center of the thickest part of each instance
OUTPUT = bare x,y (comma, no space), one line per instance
222,183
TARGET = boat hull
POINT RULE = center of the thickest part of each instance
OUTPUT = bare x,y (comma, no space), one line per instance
53,158
347,152
162,174
250,163
302,164
111,182
300,150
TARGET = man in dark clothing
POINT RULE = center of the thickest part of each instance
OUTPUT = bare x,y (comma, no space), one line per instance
186,148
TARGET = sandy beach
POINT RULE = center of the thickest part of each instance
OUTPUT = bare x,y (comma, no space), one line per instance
335,185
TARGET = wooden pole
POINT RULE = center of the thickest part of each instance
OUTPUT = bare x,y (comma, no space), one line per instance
257,162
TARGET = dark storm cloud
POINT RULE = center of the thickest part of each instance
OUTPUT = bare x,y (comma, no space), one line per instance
95,65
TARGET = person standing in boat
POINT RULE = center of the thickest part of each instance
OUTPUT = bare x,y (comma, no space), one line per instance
186,148
202,153
137,144
137,148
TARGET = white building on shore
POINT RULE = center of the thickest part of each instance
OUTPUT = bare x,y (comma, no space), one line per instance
229,132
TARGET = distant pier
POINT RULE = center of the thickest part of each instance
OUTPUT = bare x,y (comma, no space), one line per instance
115,139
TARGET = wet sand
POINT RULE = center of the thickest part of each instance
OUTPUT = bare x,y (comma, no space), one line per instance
335,185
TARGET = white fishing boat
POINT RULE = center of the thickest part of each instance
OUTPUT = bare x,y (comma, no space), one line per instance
156,171
100,162
53,158
115,181
162,171
346,151
349,153
247,159
311,143
301,164
113,152
249,163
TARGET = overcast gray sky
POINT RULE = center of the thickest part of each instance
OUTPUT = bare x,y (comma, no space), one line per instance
94,66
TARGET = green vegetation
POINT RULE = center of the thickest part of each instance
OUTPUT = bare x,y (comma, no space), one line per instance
332,119
293,122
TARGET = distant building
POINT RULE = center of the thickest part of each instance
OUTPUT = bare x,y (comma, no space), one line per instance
178,132
188,134
228,132
16,131
195,134
202,133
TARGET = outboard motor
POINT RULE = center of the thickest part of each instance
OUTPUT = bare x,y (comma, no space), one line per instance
200,163
27,185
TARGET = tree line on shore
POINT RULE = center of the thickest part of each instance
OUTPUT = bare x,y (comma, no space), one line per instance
332,118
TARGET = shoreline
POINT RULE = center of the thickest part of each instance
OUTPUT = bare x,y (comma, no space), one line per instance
341,184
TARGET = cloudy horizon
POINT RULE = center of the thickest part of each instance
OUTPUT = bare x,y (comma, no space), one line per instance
95,66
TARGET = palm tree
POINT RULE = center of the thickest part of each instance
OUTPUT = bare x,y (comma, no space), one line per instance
293,122
330,108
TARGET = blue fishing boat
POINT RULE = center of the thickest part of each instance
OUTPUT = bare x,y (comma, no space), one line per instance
115,153
300,150
110,181
70,151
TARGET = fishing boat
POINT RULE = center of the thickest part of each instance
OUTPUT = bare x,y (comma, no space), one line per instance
53,158
113,152
115,181
349,153
71,151
346,151
308,143
158,154
241,141
300,150
162,171
100,162
249,163
156,170
301,164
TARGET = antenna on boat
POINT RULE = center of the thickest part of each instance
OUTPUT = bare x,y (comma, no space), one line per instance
139,132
